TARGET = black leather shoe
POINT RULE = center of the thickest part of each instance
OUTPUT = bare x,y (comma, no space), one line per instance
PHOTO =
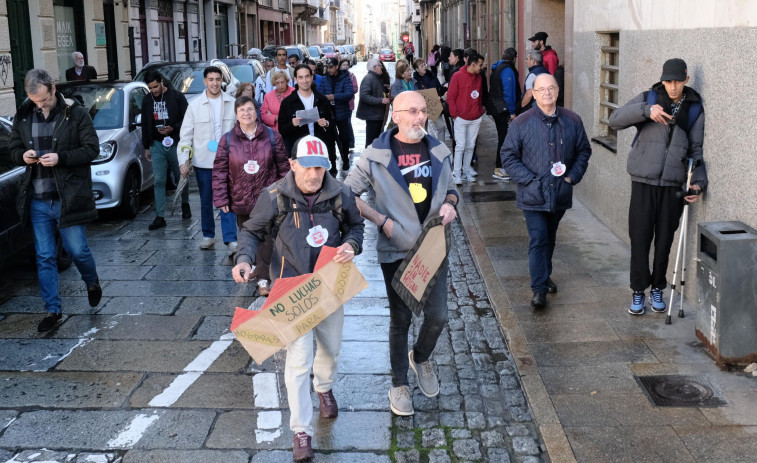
49,322
94,293
539,300
159,222
186,212
551,286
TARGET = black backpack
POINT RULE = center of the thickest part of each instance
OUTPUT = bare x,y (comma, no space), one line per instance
560,78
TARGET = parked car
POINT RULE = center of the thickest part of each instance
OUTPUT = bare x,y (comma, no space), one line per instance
245,70
120,173
329,50
16,240
317,55
299,50
387,55
187,78
344,53
351,48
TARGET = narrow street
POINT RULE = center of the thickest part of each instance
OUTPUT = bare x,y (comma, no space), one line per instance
152,374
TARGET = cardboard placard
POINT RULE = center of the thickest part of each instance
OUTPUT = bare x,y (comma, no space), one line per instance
296,305
433,103
418,272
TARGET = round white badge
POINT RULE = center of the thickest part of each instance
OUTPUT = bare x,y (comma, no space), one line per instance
317,236
474,94
558,169
252,167
168,142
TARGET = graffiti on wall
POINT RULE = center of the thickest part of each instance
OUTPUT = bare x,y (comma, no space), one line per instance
5,67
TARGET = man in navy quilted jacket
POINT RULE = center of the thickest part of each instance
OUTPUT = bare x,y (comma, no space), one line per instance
546,153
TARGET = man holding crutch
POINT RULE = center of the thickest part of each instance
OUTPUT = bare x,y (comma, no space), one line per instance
670,122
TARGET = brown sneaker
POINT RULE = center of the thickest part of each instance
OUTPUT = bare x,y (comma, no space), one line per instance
328,407
301,449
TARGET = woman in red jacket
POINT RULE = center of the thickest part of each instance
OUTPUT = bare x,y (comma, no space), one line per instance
272,100
250,157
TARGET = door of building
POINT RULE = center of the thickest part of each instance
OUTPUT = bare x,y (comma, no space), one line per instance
165,23
70,35
221,20
111,47
22,57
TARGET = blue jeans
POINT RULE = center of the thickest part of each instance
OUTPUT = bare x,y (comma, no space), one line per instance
542,231
207,219
400,316
162,159
45,215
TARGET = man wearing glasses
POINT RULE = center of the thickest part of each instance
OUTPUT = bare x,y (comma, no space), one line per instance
411,175
281,65
546,153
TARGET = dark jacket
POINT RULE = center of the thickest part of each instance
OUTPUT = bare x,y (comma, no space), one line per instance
370,107
398,87
87,71
292,255
75,140
340,86
176,105
428,80
288,111
657,156
234,186
528,159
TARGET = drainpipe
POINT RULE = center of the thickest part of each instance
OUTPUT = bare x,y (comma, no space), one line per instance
201,39
186,31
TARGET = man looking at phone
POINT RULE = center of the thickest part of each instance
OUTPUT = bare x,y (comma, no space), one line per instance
57,186
162,115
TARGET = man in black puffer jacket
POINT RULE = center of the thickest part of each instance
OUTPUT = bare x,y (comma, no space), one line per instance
56,141
671,129
546,153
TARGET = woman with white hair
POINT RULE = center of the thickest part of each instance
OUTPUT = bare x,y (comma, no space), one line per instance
372,104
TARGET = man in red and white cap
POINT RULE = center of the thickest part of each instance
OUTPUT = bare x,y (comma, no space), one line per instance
305,211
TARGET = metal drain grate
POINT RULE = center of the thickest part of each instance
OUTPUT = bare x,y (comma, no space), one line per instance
680,391
488,196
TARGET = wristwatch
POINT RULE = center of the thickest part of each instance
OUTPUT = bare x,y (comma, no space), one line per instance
449,201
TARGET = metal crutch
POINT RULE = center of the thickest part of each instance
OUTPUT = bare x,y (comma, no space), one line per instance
681,252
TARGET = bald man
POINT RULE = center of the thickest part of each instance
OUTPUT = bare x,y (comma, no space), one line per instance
410,173
546,153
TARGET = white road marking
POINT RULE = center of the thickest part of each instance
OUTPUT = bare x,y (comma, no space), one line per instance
206,358
133,432
269,426
265,387
175,390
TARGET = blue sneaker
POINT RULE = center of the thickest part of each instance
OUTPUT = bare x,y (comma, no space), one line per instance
658,305
637,306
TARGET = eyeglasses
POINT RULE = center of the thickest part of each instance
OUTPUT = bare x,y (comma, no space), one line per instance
413,111
551,89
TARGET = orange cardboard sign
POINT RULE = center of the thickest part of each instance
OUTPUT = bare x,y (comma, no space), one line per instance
296,305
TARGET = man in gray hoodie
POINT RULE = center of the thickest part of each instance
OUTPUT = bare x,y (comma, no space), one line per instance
411,175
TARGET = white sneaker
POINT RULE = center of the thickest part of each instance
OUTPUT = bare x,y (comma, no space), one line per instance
469,178
472,172
457,179
207,243
500,174
232,247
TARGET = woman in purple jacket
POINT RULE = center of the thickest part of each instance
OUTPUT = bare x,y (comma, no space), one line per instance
250,157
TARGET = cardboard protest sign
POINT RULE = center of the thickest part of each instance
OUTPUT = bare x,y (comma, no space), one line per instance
418,272
296,305
433,103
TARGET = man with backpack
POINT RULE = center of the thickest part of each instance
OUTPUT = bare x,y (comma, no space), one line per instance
670,122
504,101
303,212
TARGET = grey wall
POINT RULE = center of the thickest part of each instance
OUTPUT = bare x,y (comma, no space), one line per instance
722,72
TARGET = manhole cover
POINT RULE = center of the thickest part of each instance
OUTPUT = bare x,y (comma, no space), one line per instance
680,391
488,196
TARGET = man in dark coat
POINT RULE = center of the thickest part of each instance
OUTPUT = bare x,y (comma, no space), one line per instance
373,101
336,86
80,71
670,130
56,141
306,97
504,100
546,153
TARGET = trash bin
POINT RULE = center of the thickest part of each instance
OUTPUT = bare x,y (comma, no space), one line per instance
727,291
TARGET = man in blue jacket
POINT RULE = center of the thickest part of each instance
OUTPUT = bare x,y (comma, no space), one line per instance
504,101
336,85
546,153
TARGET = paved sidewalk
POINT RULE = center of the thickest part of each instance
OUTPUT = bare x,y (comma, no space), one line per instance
579,358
